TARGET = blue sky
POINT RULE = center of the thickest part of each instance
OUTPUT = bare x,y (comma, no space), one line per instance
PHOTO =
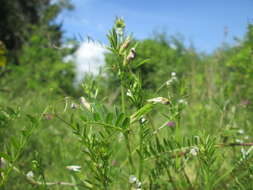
201,22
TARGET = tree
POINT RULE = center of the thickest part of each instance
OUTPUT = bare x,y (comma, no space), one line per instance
18,17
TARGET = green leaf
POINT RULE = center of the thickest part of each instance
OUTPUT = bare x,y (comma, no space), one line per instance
142,111
5,156
25,132
96,117
126,123
119,119
109,118
32,119
142,62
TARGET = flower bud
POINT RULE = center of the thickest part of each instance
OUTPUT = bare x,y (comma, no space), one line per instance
120,23
125,44
85,103
131,55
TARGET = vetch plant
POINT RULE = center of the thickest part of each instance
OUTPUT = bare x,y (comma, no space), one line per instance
123,144
144,149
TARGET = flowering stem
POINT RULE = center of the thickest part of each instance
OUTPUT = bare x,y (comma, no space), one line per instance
126,135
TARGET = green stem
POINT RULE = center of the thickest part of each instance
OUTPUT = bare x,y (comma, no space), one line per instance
129,153
122,98
171,179
126,135
141,151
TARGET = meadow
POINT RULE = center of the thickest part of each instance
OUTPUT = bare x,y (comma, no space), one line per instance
158,116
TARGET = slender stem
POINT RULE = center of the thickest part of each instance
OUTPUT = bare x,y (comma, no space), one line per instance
122,98
129,153
141,150
187,179
126,135
171,179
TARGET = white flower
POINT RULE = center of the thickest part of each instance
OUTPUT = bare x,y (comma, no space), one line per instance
173,74
3,163
194,151
246,137
143,120
132,179
238,140
246,153
135,182
241,131
30,174
129,93
138,184
172,79
159,100
168,83
182,101
74,168
74,106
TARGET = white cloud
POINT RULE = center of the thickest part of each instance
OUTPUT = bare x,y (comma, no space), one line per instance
89,57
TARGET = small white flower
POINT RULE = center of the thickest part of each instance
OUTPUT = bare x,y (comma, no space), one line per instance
246,153
172,79
241,131
74,168
238,140
182,101
138,184
132,179
159,100
194,151
246,137
129,93
30,174
143,120
3,163
74,106
169,82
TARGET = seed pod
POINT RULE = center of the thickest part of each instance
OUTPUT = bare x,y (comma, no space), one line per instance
125,44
